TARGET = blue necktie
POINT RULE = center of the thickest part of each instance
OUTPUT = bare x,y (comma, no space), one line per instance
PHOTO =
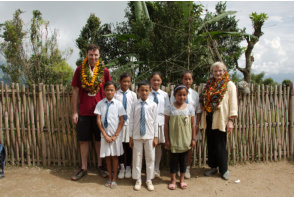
142,120
155,97
187,101
106,114
125,104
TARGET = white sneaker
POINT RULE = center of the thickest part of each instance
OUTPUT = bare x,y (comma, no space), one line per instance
157,173
128,173
150,186
121,174
137,186
187,173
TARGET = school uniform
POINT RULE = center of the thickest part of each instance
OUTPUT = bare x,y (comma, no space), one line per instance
115,110
131,98
143,141
162,103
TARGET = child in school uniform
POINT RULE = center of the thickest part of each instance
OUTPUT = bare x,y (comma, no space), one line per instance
193,99
180,134
143,135
110,119
126,97
162,100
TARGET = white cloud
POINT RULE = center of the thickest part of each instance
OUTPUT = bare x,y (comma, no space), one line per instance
278,19
271,56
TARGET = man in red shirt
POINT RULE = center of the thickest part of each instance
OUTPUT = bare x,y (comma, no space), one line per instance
87,91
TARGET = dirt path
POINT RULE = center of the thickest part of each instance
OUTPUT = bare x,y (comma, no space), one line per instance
256,179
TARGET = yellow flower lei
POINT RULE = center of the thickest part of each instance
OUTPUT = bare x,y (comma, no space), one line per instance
93,83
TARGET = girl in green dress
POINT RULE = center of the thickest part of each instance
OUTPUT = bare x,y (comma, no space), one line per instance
180,134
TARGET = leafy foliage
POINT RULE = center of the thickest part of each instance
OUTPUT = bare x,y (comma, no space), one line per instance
286,82
42,61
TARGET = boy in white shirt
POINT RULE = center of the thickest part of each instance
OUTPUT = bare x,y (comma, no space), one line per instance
143,135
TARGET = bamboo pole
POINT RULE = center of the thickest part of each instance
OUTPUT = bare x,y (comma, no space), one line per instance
258,124
59,129
53,124
291,120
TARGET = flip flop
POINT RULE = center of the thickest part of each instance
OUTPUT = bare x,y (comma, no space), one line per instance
108,183
183,185
113,185
172,186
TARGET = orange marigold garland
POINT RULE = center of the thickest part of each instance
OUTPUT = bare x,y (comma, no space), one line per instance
92,84
213,93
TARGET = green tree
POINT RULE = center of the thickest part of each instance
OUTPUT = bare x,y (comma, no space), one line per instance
270,81
12,47
286,82
173,37
38,63
257,78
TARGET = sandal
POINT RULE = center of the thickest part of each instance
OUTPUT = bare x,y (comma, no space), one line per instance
108,183
113,185
172,186
79,175
183,185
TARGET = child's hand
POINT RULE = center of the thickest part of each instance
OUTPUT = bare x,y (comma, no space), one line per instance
113,138
131,143
108,139
167,144
193,143
155,141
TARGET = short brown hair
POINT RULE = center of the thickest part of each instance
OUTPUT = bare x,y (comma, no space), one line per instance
92,47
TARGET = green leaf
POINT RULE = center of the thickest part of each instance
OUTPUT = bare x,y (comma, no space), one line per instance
216,18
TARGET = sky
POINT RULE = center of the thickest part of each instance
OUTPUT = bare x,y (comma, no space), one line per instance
272,53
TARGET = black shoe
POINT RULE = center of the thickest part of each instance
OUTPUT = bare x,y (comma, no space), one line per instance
79,175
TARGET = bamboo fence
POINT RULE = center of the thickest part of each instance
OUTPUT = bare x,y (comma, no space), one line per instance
36,127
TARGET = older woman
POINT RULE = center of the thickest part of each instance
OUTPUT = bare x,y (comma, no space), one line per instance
219,104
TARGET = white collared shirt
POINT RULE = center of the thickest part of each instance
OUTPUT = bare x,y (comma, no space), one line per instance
131,98
115,110
150,117
193,99
163,102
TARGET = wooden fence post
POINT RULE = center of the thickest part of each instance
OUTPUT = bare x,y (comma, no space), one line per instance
41,119
291,120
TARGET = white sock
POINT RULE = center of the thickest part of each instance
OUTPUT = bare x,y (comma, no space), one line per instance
128,167
149,180
139,180
122,166
188,167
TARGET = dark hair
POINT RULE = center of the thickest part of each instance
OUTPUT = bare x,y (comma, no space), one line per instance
156,73
124,75
92,47
180,87
186,72
143,83
108,83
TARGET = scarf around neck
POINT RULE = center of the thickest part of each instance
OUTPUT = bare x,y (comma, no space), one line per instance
213,93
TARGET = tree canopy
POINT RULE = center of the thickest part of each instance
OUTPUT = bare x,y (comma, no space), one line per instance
32,54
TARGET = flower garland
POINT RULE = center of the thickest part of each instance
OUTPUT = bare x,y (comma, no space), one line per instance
93,83
213,93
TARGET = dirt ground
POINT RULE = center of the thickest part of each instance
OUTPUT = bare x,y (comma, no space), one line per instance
256,179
